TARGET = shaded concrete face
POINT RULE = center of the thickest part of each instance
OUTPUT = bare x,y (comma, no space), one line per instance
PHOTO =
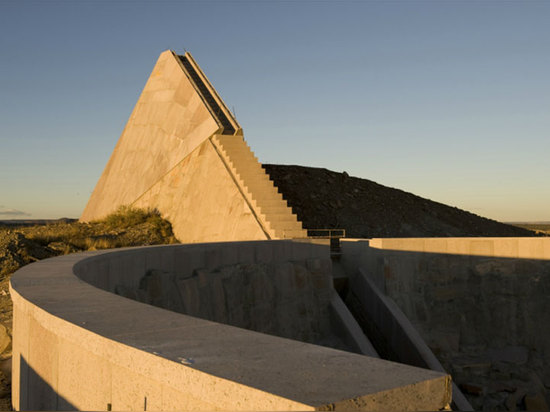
490,291
481,304
76,337
288,299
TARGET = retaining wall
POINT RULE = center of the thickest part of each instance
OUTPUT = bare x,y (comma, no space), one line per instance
78,346
481,304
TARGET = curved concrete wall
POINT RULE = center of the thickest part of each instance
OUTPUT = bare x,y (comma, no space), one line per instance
76,346
252,289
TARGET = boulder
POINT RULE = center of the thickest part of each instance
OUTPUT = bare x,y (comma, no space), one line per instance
5,339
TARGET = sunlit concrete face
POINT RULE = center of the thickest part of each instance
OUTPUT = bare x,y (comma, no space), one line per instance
183,153
168,122
201,200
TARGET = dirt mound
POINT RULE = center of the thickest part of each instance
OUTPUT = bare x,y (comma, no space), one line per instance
324,199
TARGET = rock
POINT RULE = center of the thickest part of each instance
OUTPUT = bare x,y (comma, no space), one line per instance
5,339
546,378
494,402
517,355
59,246
5,368
478,368
514,398
499,386
535,402
472,388
535,382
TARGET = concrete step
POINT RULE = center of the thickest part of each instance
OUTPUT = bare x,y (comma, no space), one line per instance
286,224
272,209
276,209
236,149
241,157
269,203
233,141
229,139
260,192
259,186
290,234
247,166
266,196
278,228
230,143
281,217
242,165
254,176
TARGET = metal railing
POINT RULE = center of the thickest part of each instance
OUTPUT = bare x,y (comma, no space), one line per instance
326,233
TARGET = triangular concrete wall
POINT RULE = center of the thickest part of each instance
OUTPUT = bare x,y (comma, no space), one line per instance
167,158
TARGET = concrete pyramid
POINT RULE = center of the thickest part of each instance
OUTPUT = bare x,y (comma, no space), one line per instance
183,153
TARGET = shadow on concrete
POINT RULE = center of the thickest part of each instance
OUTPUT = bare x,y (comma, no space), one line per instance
44,397
483,316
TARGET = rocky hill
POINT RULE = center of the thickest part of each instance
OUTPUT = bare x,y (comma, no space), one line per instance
324,199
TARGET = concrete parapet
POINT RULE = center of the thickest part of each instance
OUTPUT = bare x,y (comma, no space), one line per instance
505,247
78,346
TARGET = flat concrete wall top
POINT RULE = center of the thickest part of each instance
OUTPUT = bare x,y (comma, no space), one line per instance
519,247
231,368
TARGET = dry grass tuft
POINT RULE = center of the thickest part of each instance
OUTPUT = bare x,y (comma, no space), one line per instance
125,227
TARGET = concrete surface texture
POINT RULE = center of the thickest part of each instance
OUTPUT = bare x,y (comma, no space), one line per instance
392,331
481,305
286,299
78,346
182,152
201,200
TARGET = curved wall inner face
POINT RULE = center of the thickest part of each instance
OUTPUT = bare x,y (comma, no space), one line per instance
285,299
290,299
78,347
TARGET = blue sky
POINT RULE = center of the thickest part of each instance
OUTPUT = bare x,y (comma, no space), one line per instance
449,100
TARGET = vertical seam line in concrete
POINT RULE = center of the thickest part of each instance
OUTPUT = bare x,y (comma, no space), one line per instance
264,229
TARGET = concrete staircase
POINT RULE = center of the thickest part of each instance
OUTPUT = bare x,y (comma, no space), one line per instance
228,124
263,197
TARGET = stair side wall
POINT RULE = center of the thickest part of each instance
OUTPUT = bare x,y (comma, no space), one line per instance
168,122
201,200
